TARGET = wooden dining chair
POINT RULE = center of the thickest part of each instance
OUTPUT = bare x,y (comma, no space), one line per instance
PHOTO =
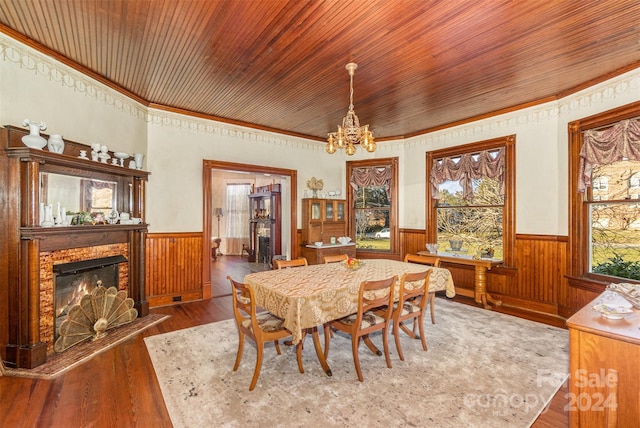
410,306
372,296
422,259
261,327
429,261
335,259
282,264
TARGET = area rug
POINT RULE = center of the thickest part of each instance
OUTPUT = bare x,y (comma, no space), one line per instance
57,364
482,369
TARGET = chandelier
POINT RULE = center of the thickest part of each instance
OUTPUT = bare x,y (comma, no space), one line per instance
350,133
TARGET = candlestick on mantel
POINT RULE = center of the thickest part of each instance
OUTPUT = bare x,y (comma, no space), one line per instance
58,219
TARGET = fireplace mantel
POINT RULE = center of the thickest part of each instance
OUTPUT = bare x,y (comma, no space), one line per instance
61,238
25,241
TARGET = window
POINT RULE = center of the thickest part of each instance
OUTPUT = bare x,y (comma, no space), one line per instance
605,200
373,203
470,198
237,211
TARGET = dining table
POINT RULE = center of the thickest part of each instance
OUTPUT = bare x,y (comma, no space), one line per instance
307,297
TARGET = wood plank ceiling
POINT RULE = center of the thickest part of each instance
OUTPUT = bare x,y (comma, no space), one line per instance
279,65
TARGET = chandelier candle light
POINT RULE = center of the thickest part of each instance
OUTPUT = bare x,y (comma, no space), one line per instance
351,133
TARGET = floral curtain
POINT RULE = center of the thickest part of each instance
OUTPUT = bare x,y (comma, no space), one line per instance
622,140
371,176
237,218
467,167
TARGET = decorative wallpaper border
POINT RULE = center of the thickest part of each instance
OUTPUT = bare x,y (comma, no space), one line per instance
14,52
220,129
11,51
506,123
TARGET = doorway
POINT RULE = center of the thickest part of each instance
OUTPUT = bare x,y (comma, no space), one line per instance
289,207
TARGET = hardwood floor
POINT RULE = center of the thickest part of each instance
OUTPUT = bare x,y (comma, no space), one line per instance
118,387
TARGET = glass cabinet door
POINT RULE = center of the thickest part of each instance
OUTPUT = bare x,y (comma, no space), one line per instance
329,212
315,211
340,210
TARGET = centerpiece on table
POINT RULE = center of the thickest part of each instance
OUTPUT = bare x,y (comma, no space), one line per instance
352,263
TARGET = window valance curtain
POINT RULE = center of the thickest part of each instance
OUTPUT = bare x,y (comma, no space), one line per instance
371,176
611,145
468,167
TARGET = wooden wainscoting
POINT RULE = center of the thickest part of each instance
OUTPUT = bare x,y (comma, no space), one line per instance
412,241
536,282
541,261
173,267
296,251
582,291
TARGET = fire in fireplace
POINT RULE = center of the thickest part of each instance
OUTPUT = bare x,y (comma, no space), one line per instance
74,280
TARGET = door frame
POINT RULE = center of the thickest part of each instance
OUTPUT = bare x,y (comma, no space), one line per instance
207,223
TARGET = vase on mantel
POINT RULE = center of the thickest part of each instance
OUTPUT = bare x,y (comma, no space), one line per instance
34,140
56,143
48,216
138,157
41,213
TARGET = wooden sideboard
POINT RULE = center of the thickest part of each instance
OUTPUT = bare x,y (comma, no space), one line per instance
604,369
315,255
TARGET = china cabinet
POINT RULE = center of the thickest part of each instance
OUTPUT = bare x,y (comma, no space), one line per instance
265,235
34,177
324,220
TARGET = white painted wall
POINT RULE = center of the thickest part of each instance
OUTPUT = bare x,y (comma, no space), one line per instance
40,88
178,145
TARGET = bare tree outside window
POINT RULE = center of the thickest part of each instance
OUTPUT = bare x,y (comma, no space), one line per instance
615,224
477,222
372,210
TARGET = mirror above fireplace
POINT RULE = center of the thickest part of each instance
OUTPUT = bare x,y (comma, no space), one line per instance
78,194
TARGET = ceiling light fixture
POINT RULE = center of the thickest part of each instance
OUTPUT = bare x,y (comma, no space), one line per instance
350,133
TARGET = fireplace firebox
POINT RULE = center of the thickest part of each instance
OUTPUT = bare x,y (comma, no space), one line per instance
74,280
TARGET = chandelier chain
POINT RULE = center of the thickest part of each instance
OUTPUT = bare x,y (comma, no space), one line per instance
351,91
